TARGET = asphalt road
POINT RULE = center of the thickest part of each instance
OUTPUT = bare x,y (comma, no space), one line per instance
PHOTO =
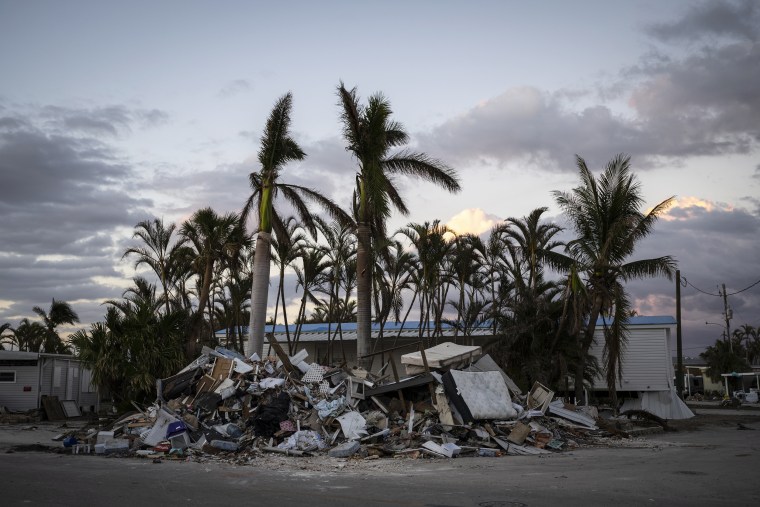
712,466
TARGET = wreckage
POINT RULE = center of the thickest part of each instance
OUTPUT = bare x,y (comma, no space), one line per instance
453,401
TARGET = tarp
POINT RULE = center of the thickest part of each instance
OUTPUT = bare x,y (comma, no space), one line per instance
663,404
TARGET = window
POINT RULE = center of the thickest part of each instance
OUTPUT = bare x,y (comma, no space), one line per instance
87,386
8,376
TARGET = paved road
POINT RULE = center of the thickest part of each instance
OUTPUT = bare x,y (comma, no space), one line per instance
714,466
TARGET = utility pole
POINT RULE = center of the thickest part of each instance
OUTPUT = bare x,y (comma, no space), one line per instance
727,314
679,346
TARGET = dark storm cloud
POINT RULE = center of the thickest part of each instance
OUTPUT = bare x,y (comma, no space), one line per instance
704,101
712,247
62,201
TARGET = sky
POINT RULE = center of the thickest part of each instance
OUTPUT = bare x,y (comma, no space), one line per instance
116,112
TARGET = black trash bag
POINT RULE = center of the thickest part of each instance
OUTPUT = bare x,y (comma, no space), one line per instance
267,421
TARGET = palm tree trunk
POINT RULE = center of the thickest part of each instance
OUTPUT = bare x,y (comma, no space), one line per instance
363,295
588,339
259,294
191,345
285,314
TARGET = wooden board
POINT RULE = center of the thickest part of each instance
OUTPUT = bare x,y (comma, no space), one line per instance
53,409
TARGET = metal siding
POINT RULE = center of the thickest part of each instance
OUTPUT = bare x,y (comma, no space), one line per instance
12,395
646,360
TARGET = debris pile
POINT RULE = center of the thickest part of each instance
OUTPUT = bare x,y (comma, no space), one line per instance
454,402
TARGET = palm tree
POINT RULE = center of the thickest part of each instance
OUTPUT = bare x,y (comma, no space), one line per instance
29,336
465,270
493,262
309,277
747,333
607,218
287,249
159,252
724,357
340,253
277,149
60,312
212,238
135,345
370,134
432,283
394,273
6,338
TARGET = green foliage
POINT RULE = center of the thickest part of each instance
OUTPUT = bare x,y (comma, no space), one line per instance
606,214
135,345
721,359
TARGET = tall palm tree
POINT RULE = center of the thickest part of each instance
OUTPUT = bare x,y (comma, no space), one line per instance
607,218
212,238
159,252
371,134
277,149
60,312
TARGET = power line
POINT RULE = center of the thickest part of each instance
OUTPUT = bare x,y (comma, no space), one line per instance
700,290
687,282
746,288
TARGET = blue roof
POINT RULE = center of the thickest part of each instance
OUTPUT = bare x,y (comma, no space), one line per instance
639,320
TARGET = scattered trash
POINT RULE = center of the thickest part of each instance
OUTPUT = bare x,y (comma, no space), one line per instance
453,402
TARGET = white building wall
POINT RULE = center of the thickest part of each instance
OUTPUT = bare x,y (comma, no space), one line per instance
646,360
12,394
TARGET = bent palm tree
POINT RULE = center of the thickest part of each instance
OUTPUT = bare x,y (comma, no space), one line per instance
370,134
606,215
277,149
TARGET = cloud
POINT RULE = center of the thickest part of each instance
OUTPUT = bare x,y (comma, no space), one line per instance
673,103
63,202
472,220
735,20
528,124
714,244
235,87
108,121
